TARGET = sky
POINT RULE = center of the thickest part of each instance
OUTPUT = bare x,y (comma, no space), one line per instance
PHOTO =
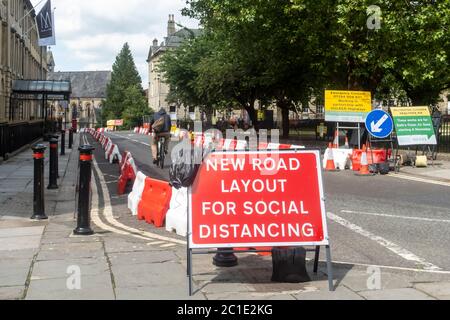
90,33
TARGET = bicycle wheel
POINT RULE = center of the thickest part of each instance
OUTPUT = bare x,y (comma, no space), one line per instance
161,153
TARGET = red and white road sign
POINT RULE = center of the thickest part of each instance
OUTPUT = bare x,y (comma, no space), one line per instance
258,199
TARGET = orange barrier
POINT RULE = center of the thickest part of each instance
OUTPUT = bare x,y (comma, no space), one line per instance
379,156
155,202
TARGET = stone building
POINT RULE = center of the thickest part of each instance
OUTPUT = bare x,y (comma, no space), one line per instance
21,58
88,93
158,90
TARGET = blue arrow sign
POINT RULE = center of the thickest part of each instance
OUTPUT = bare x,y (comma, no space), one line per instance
379,124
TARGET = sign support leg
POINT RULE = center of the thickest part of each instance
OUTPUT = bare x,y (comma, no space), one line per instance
190,272
359,136
338,129
316,259
188,263
329,269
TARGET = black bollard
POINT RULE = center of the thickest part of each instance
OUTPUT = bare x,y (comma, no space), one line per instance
84,216
53,181
70,138
57,155
38,195
225,260
63,142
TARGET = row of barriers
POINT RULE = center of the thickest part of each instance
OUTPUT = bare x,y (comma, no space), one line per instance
140,130
157,202
151,200
346,158
112,154
351,158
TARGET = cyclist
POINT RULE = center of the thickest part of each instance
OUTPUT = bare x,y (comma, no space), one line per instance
161,125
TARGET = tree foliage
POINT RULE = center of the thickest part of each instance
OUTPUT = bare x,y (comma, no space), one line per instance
124,95
288,52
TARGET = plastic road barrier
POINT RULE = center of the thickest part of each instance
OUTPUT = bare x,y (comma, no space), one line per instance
155,202
176,219
134,198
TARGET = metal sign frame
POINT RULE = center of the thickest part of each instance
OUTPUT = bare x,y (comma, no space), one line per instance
208,249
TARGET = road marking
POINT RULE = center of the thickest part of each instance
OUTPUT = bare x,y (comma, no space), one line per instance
402,252
95,214
155,243
134,140
110,218
395,216
417,179
168,245
384,267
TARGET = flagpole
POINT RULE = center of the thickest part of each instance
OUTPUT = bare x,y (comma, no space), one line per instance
29,12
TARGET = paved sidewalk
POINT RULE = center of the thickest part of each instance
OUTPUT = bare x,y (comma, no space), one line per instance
20,237
439,170
43,260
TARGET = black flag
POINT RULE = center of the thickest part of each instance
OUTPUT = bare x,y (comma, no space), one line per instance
46,25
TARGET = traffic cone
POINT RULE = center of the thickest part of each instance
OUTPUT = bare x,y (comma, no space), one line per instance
330,160
336,139
364,170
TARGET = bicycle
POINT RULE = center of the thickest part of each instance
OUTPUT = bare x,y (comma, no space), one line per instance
161,152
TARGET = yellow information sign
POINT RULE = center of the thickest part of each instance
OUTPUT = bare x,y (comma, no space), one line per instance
410,111
347,106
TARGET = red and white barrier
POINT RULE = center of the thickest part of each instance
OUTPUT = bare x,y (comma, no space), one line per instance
134,198
128,173
176,218
115,154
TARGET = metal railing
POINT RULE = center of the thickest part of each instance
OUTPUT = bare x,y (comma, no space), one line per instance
444,135
14,136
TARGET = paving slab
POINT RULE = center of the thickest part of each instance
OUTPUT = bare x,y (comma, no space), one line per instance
97,287
57,269
15,277
214,287
173,292
147,275
20,243
17,254
11,293
438,290
20,232
116,244
395,294
357,280
341,293
248,296
70,250
147,257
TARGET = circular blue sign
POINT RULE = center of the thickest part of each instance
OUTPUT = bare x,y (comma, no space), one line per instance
379,124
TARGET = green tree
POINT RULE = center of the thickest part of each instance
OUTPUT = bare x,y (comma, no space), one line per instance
124,75
136,107
289,51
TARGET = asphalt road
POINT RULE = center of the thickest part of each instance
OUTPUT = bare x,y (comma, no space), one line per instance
381,220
